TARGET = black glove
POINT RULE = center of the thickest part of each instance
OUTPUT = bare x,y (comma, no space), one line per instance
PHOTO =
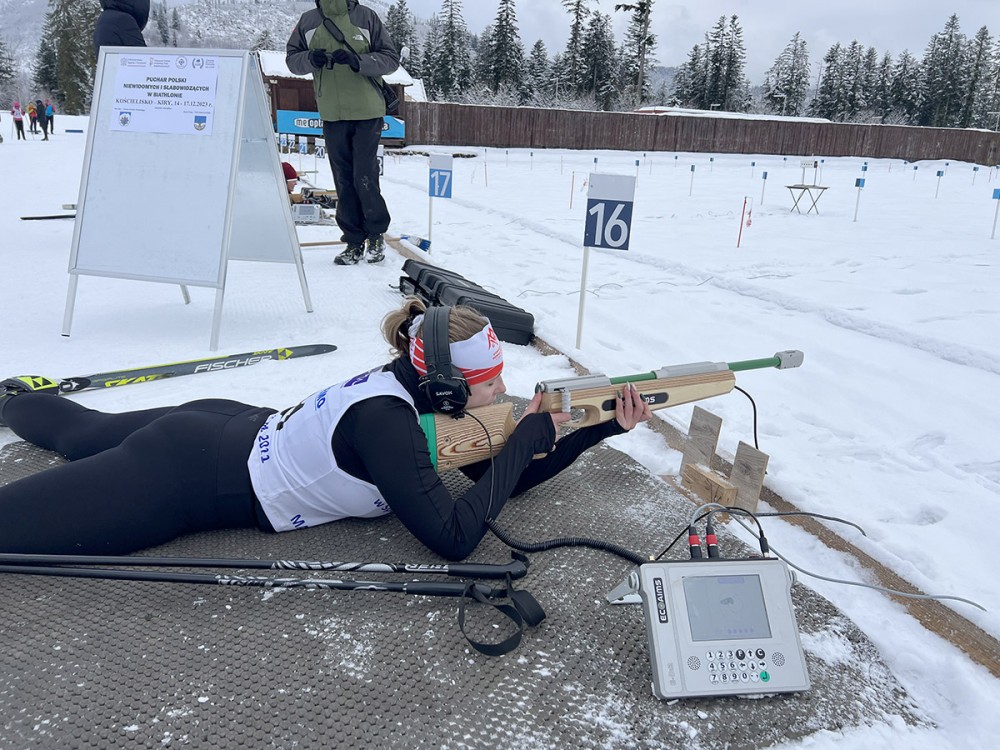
319,57
345,57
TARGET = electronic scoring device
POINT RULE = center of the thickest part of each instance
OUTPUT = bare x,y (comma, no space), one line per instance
720,627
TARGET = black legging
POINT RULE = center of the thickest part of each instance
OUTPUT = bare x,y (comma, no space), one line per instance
134,480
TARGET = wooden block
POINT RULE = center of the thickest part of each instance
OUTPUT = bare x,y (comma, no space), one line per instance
708,485
749,467
703,437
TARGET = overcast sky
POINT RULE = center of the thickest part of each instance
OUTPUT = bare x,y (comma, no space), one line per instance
768,25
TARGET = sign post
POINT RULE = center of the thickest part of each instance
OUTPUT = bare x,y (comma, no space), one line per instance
763,184
940,174
691,188
441,172
174,109
996,197
608,224
859,184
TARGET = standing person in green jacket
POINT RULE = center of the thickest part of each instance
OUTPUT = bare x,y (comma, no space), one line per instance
351,109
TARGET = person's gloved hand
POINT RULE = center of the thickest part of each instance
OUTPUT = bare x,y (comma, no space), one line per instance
319,58
345,57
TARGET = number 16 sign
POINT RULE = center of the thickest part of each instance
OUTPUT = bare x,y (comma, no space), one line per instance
608,223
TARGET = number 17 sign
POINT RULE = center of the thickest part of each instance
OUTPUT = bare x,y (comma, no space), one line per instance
608,223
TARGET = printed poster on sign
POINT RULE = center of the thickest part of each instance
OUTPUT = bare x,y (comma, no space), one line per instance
165,94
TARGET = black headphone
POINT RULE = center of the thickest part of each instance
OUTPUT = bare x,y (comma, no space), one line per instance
444,385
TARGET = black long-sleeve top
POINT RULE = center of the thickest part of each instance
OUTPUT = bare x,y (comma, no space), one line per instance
379,441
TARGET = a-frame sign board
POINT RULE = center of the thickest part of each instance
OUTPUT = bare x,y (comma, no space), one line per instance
181,174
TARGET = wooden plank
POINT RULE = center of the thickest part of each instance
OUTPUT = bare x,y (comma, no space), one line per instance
708,485
703,437
747,475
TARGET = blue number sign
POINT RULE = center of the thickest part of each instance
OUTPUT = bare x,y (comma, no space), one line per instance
609,211
440,177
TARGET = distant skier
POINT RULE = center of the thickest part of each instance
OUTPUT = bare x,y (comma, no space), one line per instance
18,116
43,119
120,24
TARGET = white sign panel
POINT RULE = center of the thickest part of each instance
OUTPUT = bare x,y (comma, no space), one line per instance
158,93
609,211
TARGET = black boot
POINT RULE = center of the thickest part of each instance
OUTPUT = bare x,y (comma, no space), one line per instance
24,384
374,249
351,255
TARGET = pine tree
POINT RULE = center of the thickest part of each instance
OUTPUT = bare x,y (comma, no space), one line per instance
7,70
990,111
639,45
537,75
906,89
853,81
945,76
882,93
689,83
832,96
506,53
162,21
65,62
175,28
265,41
600,62
452,69
427,61
399,24
572,63
726,88
787,81
980,68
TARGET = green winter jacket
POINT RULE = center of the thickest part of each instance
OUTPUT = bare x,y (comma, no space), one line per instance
341,93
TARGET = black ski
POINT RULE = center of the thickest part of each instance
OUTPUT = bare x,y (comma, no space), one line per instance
52,216
192,367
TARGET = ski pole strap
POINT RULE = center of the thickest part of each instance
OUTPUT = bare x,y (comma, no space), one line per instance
522,609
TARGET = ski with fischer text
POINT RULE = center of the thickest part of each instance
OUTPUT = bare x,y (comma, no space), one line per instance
191,367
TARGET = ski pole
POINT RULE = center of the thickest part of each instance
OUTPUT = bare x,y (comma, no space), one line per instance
517,568
420,588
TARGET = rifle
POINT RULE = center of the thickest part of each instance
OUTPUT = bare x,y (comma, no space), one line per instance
455,442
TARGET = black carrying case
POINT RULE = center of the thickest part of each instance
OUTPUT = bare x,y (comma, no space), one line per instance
438,286
512,324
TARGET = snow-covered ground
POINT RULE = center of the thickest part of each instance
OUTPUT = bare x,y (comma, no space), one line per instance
893,422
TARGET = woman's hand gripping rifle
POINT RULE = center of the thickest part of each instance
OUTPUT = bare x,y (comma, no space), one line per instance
591,399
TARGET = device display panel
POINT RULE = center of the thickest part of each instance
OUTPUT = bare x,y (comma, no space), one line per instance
726,607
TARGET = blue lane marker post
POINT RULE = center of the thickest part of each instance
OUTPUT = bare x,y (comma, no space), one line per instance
859,184
940,174
996,197
691,188
439,186
763,178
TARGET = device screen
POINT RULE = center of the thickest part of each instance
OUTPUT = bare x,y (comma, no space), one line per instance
722,608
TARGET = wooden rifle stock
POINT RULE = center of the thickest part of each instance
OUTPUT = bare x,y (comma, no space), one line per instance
455,442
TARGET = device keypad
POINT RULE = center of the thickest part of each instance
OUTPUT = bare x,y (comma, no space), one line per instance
737,665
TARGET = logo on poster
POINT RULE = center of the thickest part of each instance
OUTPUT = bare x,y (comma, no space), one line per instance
182,62
124,118
200,121
198,63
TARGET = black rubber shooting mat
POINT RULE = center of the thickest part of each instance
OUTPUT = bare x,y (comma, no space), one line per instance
102,664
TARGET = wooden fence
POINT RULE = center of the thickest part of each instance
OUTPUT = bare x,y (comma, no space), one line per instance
528,127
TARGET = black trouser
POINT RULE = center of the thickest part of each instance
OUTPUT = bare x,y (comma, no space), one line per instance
19,127
34,124
353,148
134,480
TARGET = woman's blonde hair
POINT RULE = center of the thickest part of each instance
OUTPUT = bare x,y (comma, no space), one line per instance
464,322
